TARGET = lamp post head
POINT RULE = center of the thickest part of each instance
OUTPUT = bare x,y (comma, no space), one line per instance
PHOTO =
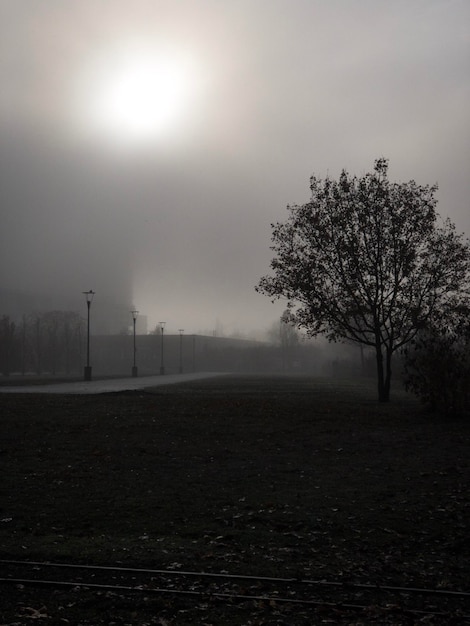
134,314
162,325
181,331
89,296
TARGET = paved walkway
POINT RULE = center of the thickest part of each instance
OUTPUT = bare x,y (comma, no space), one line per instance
107,386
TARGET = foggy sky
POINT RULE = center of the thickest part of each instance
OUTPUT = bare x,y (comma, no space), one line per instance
180,227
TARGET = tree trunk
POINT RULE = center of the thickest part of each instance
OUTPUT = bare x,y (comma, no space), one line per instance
383,375
388,375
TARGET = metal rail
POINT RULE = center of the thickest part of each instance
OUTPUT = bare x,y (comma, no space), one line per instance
270,579
269,596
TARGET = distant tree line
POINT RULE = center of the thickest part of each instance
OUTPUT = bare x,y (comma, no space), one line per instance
48,342
54,343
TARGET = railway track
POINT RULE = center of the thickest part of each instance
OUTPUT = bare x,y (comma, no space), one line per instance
238,588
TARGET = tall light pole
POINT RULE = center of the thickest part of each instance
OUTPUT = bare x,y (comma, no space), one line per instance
134,366
162,366
181,331
89,299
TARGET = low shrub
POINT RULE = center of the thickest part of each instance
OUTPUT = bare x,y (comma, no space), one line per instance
437,366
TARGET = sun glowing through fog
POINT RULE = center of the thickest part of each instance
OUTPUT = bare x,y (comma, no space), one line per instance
139,95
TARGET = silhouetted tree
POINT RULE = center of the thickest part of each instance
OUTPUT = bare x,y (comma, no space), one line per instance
51,321
285,336
71,338
38,344
365,260
284,331
7,338
50,341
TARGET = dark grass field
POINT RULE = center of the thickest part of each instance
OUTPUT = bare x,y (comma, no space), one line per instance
270,476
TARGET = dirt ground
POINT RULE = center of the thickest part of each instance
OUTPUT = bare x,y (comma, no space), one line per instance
267,476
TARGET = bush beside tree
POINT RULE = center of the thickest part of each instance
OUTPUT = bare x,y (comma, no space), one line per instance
437,363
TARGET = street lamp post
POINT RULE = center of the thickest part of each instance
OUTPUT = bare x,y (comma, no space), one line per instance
194,353
162,366
181,331
134,366
89,298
